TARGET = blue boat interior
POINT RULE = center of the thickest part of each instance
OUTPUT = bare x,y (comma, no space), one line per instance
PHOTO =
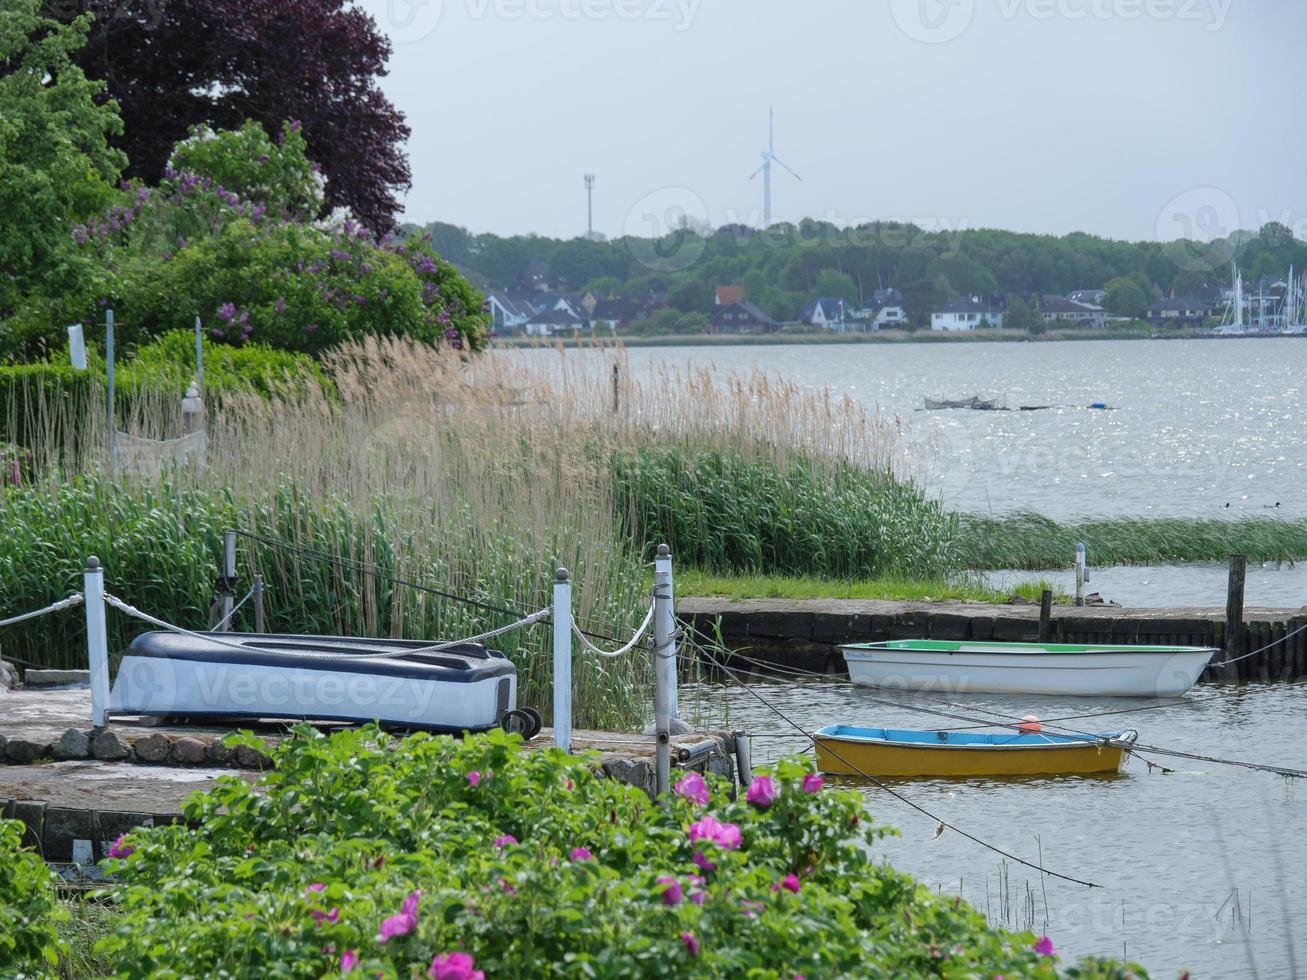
905,736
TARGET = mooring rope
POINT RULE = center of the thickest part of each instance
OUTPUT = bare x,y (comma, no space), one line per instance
398,654
893,792
639,634
67,603
1253,653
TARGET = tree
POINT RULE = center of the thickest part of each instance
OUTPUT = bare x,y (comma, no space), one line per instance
1126,296
175,65
1021,316
56,166
837,285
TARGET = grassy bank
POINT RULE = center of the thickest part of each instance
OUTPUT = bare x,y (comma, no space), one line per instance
1032,541
694,582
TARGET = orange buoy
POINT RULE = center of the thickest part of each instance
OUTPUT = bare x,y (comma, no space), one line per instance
1030,725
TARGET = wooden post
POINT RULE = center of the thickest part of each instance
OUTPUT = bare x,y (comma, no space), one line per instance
1234,626
1046,616
617,398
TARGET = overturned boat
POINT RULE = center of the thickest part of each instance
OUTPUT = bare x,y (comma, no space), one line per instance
461,687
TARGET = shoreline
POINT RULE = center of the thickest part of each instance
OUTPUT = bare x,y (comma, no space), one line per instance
882,337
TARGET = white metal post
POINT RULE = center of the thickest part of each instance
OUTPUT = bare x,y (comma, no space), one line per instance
229,578
664,679
1080,575
563,660
97,641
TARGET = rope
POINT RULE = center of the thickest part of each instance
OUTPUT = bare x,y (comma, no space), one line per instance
208,638
1253,653
893,792
377,572
639,634
67,603
220,624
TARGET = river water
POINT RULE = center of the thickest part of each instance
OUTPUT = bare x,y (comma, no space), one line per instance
1195,428
1201,868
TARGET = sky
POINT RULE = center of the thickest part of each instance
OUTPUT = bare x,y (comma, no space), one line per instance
1132,119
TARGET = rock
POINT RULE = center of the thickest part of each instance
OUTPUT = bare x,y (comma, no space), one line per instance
57,678
108,746
248,758
153,748
219,754
8,676
72,744
189,751
25,752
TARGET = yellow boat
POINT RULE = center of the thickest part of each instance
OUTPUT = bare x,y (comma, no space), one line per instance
901,752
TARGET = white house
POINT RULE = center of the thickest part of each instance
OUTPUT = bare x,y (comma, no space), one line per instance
1069,312
890,316
548,322
965,314
508,315
827,313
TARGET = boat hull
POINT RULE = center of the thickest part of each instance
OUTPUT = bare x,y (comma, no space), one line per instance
467,688
860,756
1022,668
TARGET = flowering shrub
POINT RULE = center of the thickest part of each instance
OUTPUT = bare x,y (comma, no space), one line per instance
230,236
363,854
29,912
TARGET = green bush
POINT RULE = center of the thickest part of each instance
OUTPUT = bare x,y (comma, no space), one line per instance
30,914
730,512
362,852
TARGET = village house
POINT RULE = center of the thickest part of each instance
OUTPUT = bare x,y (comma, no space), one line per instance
1068,312
1178,312
966,314
741,317
827,313
552,321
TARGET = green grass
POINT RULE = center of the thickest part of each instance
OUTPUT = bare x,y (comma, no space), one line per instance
1031,541
695,582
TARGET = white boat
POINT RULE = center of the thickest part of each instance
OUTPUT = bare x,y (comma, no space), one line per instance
465,687
975,667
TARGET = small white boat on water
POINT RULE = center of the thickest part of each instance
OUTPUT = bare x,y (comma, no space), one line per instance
978,667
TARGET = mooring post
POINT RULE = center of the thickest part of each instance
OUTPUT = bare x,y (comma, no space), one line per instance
97,641
1080,575
743,758
259,622
563,660
617,399
664,626
1046,616
1234,625
228,577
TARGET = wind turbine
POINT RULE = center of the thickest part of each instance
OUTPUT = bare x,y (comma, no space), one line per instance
768,158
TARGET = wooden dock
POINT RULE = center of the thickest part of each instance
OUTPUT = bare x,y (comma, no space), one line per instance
807,634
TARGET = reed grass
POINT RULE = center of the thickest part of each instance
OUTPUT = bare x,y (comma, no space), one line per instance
966,588
1032,541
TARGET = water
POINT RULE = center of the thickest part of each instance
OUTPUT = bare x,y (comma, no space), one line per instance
1196,424
1200,868
1275,585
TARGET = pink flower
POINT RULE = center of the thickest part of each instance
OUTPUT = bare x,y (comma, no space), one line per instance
410,906
316,887
503,840
320,916
812,783
473,778
1044,947
791,883
454,966
701,862
691,944
121,850
672,894
506,887
348,960
693,788
709,828
396,925
581,854
761,792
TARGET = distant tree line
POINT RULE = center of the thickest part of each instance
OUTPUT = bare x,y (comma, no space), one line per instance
788,265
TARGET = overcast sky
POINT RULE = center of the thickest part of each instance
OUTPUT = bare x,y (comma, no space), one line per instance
1136,119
